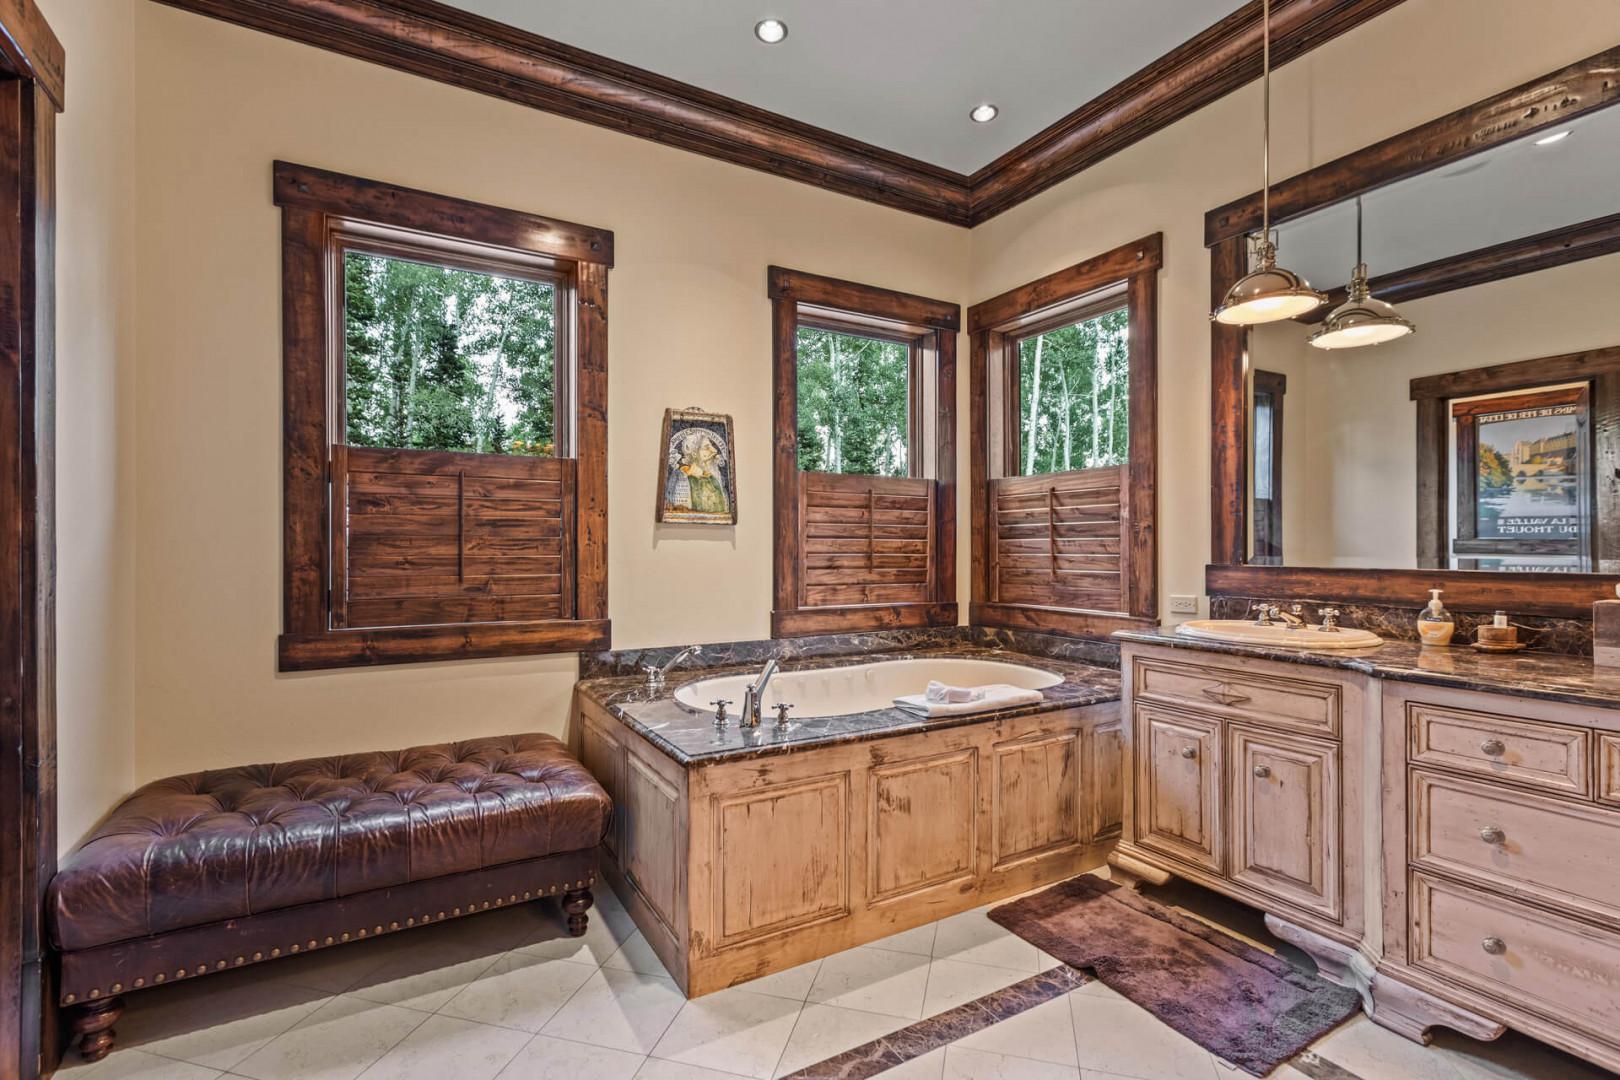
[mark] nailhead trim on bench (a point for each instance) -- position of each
(202, 969)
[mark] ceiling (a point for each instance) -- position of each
(899, 74)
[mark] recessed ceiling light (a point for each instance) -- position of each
(983, 114)
(1557, 136)
(770, 31)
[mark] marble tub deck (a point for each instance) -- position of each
(1547, 676)
(692, 739)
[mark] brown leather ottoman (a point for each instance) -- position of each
(215, 870)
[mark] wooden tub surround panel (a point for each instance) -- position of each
(737, 869)
(1449, 852)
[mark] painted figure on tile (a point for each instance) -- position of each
(697, 482)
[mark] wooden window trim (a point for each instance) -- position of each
(929, 327)
(321, 212)
(994, 327)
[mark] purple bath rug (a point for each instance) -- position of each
(1241, 1003)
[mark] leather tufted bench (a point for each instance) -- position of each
(216, 870)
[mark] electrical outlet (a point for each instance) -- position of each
(1184, 605)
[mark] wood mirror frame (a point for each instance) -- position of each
(1556, 98)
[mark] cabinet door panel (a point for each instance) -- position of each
(1285, 818)
(782, 857)
(920, 824)
(652, 838)
(1035, 793)
(1178, 785)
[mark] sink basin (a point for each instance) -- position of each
(1243, 632)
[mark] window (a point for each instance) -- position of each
(864, 473)
(1064, 448)
(444, 377)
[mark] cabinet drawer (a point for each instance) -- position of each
(1270, 700)
(1566, 970)
(1178, 785)
(1538, 848)
(1546, 756)
(1608, 757)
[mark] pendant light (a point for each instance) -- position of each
(1360, 320)
(1267, 293)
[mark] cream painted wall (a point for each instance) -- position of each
(1352, 461)
(95, 356)
(689, 325)
(1417, 61)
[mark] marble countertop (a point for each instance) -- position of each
(691, 739)
(1544, 675)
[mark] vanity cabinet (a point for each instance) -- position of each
(1238, 769)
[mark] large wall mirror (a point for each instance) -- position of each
(1481, 452)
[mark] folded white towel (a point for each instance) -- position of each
(938, 691)
(994, 696)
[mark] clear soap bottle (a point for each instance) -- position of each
(1434, 623)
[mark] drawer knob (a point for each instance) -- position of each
(1189, 752)
(1492, 834)
(1494, 945)
(1493, 747)
(1262, 771)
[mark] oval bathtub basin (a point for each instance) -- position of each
(858, 688)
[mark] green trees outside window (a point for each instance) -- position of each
(438, 358)
(854, 403)
(1074, 400)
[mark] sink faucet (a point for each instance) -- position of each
(754, 695)
(656, 674)
(1273, 613)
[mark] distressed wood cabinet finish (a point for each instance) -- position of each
(1285, 818)
(737, 870)
(1179, 791)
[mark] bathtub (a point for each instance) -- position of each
(858, 688)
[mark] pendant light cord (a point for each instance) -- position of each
(1265, 154)
(1358, 231)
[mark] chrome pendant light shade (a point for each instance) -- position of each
(1268, 293)
(1360, 320)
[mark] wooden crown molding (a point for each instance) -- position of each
(452, 46)
(30, 48)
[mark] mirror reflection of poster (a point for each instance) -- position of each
(1529, 476)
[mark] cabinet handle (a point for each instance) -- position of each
(1492, 834)
(1262, 771)
(1494, 945)
(1493, 747)
(1224, 695)
(1189, 752)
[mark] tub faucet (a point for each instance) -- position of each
(655, 674)
(754, 695)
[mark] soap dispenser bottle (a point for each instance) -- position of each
(1434, 624)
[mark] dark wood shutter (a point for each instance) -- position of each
(1061, 540)
(866, 540)
(427, 538)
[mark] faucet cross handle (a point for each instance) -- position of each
(1330, 619)
(720, 716)
(782, 708)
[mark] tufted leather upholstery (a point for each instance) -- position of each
(230, 843)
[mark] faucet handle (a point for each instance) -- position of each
(782, 708)
(1330, 619)
(720, 716)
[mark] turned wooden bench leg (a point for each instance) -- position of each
(93, 1026)
(576, 902)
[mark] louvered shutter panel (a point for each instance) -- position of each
(865, 540)
(427, 538)
(1059, 541)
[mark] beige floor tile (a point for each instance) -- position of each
(546, 1058)
(918, 940)
(734, 1030)
(134, 1065)
(444, 1047)
(931, 1066)
(873, 980)
(963, 1064)
(619, 1009)
(1511, 1057)
(338, 1041)
(953, 982)
(519, 991)
(794, 983)
(637, 955)
(1121, 1037)
(425, 976)
(824, 1031)
(1045, 1033)
(214, 1022)
(972, 937)
(605, 934)
(657, 1069)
